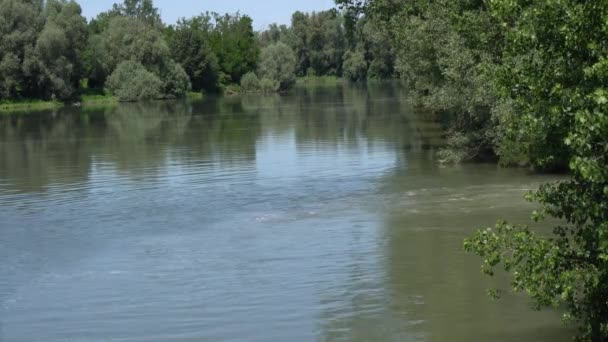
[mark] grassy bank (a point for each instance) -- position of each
(319, 80)
(89, 101)
(25, 105)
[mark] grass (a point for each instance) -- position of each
(24, 105)
(97, 100)
(89, 100)
(319, 80)
(193, 95)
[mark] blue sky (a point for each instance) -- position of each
(263, 12)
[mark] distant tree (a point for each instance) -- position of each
(355, 66)
(131, 82)
(190, 46)
(250, 82)
(274, 34)
(132, 32)
(278, 63)
(318, 41)
(41, 47)
(235, 45)
(20, 24)
(268, 85)
(58, 50)
(176, 82)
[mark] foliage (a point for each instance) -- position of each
(526, 79)
(131, 82)
(250, 82)
(318, 40)
(234, 43)
(274, 34)
(456, 150)
(190, 46)
(268, 85)
(128, 38)
(355, 66)
(176, 82)
(562, 110)
(40, 48)
(278, 63)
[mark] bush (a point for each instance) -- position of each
(176, 82)
(278, 63)
(456, 150)
(355, 66)
(250, 83)
(131, 82)
(269, 86)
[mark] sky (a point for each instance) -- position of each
(263, 12)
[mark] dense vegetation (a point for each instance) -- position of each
(525, 81)
(49, 51)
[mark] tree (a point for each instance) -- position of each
(250, 82)
(234, 44)
(355, 66)
(555, 71)
(274, 34)
(278, 63)
(131, 82)
(132, 32)
(57, 58)
(20, 23)
(190, 46)
(176, 82)
(318, 40)
(40, 48)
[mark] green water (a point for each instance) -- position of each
(316, 215)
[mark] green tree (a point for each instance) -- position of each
(189, 43)
(250, 82)
(319, 42)
(132, 82)
(57, 59)
(235, 45)
(176, 82)
(20, 24)
(274, 34)
(132, 32)
(355, 66)
(278, 63)
(556, 72)
(41, 45)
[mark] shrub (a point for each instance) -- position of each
(176, 82)
(250, 83)
(278, 63)
(131, 82)
(269, 86)
(456, 150)
(355, 66)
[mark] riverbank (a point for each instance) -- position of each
(319, 80)
(28, 105)
(86, 101)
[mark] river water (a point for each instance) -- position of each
(318, 215)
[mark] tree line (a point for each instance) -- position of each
(524, 82)
(48, 50)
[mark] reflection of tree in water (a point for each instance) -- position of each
(136, 138)
(222, 131)
(39, 149)
(141, 138)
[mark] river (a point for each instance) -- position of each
(318, 215)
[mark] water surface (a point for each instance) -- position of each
(318, 215)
